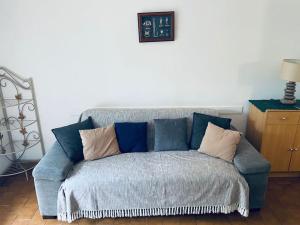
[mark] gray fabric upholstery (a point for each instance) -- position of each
(151, 184)
(55, 166)
(255, 169)
(47, 191)
(48, 176)
(248, 160)
(257, 189)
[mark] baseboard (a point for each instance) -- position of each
(284, 174)
(49, 217)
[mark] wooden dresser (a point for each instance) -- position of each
(274, 129)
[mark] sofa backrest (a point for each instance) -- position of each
(105, 116)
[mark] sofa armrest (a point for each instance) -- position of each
(248, 160)
(54, 166)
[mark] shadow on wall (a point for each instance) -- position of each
(280, 39)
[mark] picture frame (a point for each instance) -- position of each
(156, 26)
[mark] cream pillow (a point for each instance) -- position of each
(220, 143)
(98, 143)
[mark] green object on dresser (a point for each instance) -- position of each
(264, 105)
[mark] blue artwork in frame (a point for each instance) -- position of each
(156, 26)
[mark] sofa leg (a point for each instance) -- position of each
(255, 210)
(49, 217)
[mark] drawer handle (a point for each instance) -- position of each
(283, 118)
(296, 149)
(290, 149)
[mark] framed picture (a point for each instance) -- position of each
(156, 26)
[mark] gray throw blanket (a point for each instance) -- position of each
(152, 184)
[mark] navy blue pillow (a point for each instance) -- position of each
(132, 137)
(69, 138)
(200, 122)
(170, 134)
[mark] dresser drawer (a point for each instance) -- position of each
(283, 117)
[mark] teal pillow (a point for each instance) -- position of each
(69, 138)
(170, 134)
(200, 122)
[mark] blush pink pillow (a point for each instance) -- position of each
(220, 143)
(99, 143)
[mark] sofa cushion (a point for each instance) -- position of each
(99, 143)
(69, 138)
(200, 122)
(220, 143)
(132, 137)
(170, 134)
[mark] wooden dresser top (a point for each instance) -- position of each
(274, 104)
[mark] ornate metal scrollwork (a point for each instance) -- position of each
(13, 78)
(3, 150)
(27, 138)
(29, 106)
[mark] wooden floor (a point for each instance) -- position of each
(18, 206)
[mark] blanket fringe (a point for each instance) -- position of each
(185, 210)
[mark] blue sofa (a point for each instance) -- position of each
(54, 167)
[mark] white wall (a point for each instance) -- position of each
(85, 53)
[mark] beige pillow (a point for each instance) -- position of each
(98, 143)
(219, 142)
